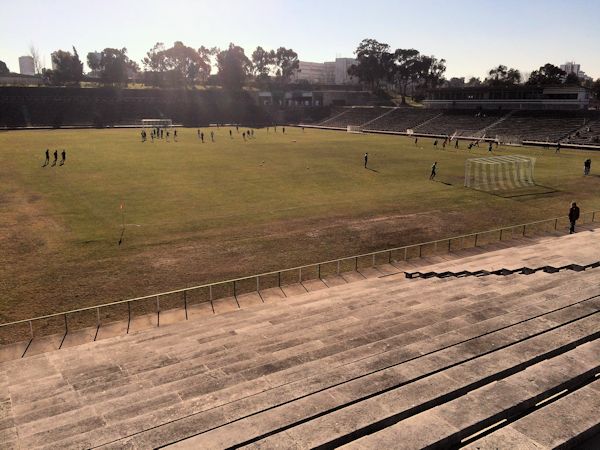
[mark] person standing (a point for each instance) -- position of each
(212, 136)
(47, 158)
(366, 159)
(230, 134)
(55, 157)
(433, 171)
(456, 144)
(64, 157)
(587, 165)
(573, 216)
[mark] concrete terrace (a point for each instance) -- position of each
(383, 362)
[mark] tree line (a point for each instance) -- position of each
(377, 66)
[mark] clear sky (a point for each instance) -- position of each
(472, 35)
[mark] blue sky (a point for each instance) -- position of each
(472, 35)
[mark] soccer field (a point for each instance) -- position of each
(198, 212)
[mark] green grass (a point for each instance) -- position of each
(201, 212)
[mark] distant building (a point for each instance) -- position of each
(572, 67)
(26, 66)
(330, 72)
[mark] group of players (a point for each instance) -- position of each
(158, 133)
(63, 155)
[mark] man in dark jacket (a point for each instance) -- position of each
(573, 216)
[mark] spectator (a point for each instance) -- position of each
(573, 216)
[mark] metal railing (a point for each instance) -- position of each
(296, 275)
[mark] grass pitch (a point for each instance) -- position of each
(198, 212)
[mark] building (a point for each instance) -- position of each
(574, 68)
(26, 66)
(509, 98)
(329, 72)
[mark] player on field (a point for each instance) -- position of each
(55, 157)
(202, 136)
(557, 147)
(64, 157)
(212, 136)
(366, 159)
(433, 171)
(435, 143)
(47, 158)
(230, 134)
(456, 144)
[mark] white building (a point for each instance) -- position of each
(574, 68)
(26, 66)
(330, 72)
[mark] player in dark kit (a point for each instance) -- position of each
(64, 157)
(433, 169)
(366, 159)
(47, 158)
(230, 134)
(55, 157)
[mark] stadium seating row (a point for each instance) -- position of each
(386, 362)
(543, 126)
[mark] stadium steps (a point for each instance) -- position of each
(263, 374)
(422, 124)
(480, 258)
(391, 110)
(498, 122)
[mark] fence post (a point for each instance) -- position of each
(501, 230)
(31, 329)
(555, 224)
(405, 253)
(449, 244)
(594, 216)
(356, 263)
(373, 259)
(128, 316)
(185, 304)
(338, 266)
(390, 257)
(420, 250)
(319, 271)
(524, 230)
(476, 236)
(279, 279)
(234, 291)
(157, 311)
(210, 297)
(300, 275)
(257, 283)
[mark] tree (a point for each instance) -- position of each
(503, 76)
(155, 60)
(94, 61)
(374, 60)
(3, 68)
(206, 55)
(572, 79)
(287, 62)
(596, 88)
(547, 75)
(405, 65)
(234, 66)
(474, 81)
(456, 82)
(114, 66)
(262, 60)
(186, 62)
(68, 67)
(38, 64)
(430, 71)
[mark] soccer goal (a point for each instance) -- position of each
(157, 123)
(354, 129)
(498, 173)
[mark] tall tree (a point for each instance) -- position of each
(186, 62)
(405, 68)
(68, 67)
(3, 68)
(234, 67)
(38, 64)
(287, 62)
(430, 71)
(546, 75)
(262, 60)
(115, 66)
(474, 81)
(503, 76)
(572, 79)
(596, 88)
(206, 57)
(373, 62)
(155, 59)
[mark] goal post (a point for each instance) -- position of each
(354, 129)
(157, 123)
(499, 173)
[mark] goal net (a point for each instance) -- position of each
(354, 129)
(157, 123)
(498, 173)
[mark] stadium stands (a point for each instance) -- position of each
(353, 116)
(401, 119)
(386, 362)
(463, 123)
(544, 126)
(589, 134)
